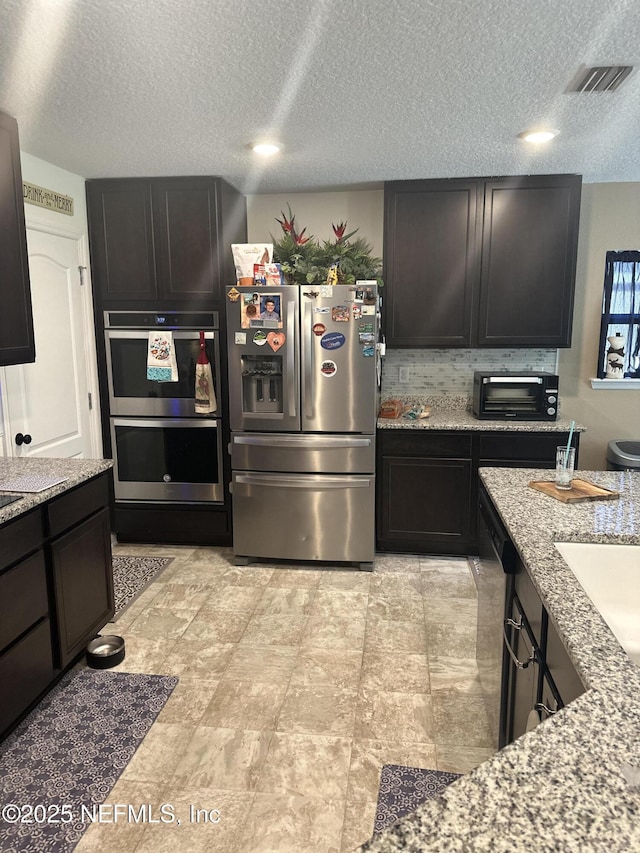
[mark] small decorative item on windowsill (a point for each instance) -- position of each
(305, 260)
(615, 357)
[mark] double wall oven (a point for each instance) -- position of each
(162, 450)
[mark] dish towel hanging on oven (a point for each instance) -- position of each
(161, 357)
(205, 393)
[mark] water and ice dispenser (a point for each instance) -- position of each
(262, 383)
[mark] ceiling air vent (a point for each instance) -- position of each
(601, 78)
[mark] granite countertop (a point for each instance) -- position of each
(562, 786)
(75, 471)
(454, 413)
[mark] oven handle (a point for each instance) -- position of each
(143, 334)
(291, 358)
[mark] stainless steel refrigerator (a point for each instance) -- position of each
(303, 402)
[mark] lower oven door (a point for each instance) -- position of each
(304, 516)
(167, 459)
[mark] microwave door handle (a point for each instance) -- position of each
(308, 360)
(291, 358)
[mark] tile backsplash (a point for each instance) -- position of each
(449, 372)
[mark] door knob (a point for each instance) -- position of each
(23, 439)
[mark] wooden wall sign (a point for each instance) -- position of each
(50, 199)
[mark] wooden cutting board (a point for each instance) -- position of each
(581, 490)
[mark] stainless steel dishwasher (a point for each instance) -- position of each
(496, 560)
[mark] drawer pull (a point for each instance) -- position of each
(519, 664)
(540, 706)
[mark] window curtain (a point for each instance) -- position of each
(621, 309)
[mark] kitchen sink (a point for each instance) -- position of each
(610, 575)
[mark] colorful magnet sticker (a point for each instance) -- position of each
(365, 337)
(368, 351)
(368, 309)
(233, 295)
(359, 294)
(365, 327)
(340, 314)
(334, 340)
(321, 309)
(318, 329)
(326, 290)
(275, 340)
(328, 368)
(356, 310)
(260, 338)
(240, 338)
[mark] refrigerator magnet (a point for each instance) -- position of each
(328, 368)
(321, 309)
(233, 295)
(260, 338)
(340, 314)
(365, 337)
(356, 310)
(368, 309)
(368, 351)
(333, 340)
(275, 340)
(318, 329)
(240, 338)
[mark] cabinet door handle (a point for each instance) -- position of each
(520, 664)
(540, 706)
(23, 439)
(512, 624)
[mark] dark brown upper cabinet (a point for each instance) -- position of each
(164, 239)
(481, 262)
(16, 319)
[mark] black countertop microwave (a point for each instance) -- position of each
(515, 396)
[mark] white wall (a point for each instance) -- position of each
(609, 220)
(362, 209)
(36, 171)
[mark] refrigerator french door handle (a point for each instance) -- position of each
(299, 481)
(308, 359)
(291, 358)
(304, 442)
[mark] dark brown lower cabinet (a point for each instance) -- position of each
(83, 589)
(56, 591)
(538, 676)
(427, 483)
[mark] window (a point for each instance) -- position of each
(620, 357)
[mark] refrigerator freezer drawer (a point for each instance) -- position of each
(304, 516)
(304, 454)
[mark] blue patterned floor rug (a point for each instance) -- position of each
(131, 576)
(402, 789)
(69, 751)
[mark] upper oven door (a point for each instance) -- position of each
(131, 393)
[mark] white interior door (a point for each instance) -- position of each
(48, 400)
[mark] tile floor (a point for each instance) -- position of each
(296, 685)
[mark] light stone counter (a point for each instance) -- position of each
(75, 471)
(562, 786)
(453, 413)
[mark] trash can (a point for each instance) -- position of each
(623, 455)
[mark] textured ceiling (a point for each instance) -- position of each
(357, 91)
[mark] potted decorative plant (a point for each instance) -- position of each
(304, 260)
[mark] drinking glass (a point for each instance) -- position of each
(565, 462)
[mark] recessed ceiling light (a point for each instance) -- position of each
(266, 149)
(538, 135)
